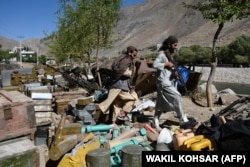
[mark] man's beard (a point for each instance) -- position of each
(172, 50)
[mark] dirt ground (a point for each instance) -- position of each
(197, 109)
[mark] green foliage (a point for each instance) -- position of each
(184, 55)
(84, 26)
(5, 56)
(238, 59)
(238, 51)
(30, 59)
(223, 10)
(150, 56)
(42, 59)
(224, 55)
(104, 58)
(194, 54)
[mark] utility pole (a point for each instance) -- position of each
(37, 58)
(20, 50)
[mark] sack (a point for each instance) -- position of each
(213, 130)
(185, 72)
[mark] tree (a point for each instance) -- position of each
(84, 26)
(42, 59)
(223, 54)
(219, 12)
(185, 55)
(238, 59)
(5, 56)
(104, 28)
(240, 46)
(194, 54)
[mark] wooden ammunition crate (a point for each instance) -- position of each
(85, 100)
(61, 105)
(20, 152)
(17, 116)
(44, 117)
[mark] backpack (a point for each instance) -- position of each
(185, 72)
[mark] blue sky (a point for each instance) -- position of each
(25, 19)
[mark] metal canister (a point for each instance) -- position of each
(162, 147)
(131, 156)
(98, 157)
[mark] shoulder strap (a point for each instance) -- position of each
(170, 58)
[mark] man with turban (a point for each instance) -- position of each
(168, 97)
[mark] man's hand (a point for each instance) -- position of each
(169, 65)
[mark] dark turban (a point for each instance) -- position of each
(172, 40)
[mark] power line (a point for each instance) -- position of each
(3, 27)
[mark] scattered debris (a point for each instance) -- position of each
(57, 112)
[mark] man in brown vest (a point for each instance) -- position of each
(121, 93)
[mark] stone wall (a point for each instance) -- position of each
(230, 75)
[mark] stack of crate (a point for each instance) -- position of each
(38, 89)
(18, 79)
(61, 105)
(43, 108)
(60, 81)
(42, 98)
(35, 87)
(84, 110)
(17, 128)
(62, 99)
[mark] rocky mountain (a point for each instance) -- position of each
(148, 24)
(8, 44)
(35, 44)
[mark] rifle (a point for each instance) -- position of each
(179, 76)
(82, 83)
(229, 109)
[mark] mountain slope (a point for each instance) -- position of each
(35, 44)
(148, 24)
(7, 44)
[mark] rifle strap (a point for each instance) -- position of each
(170, 58)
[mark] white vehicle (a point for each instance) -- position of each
(50, 61)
